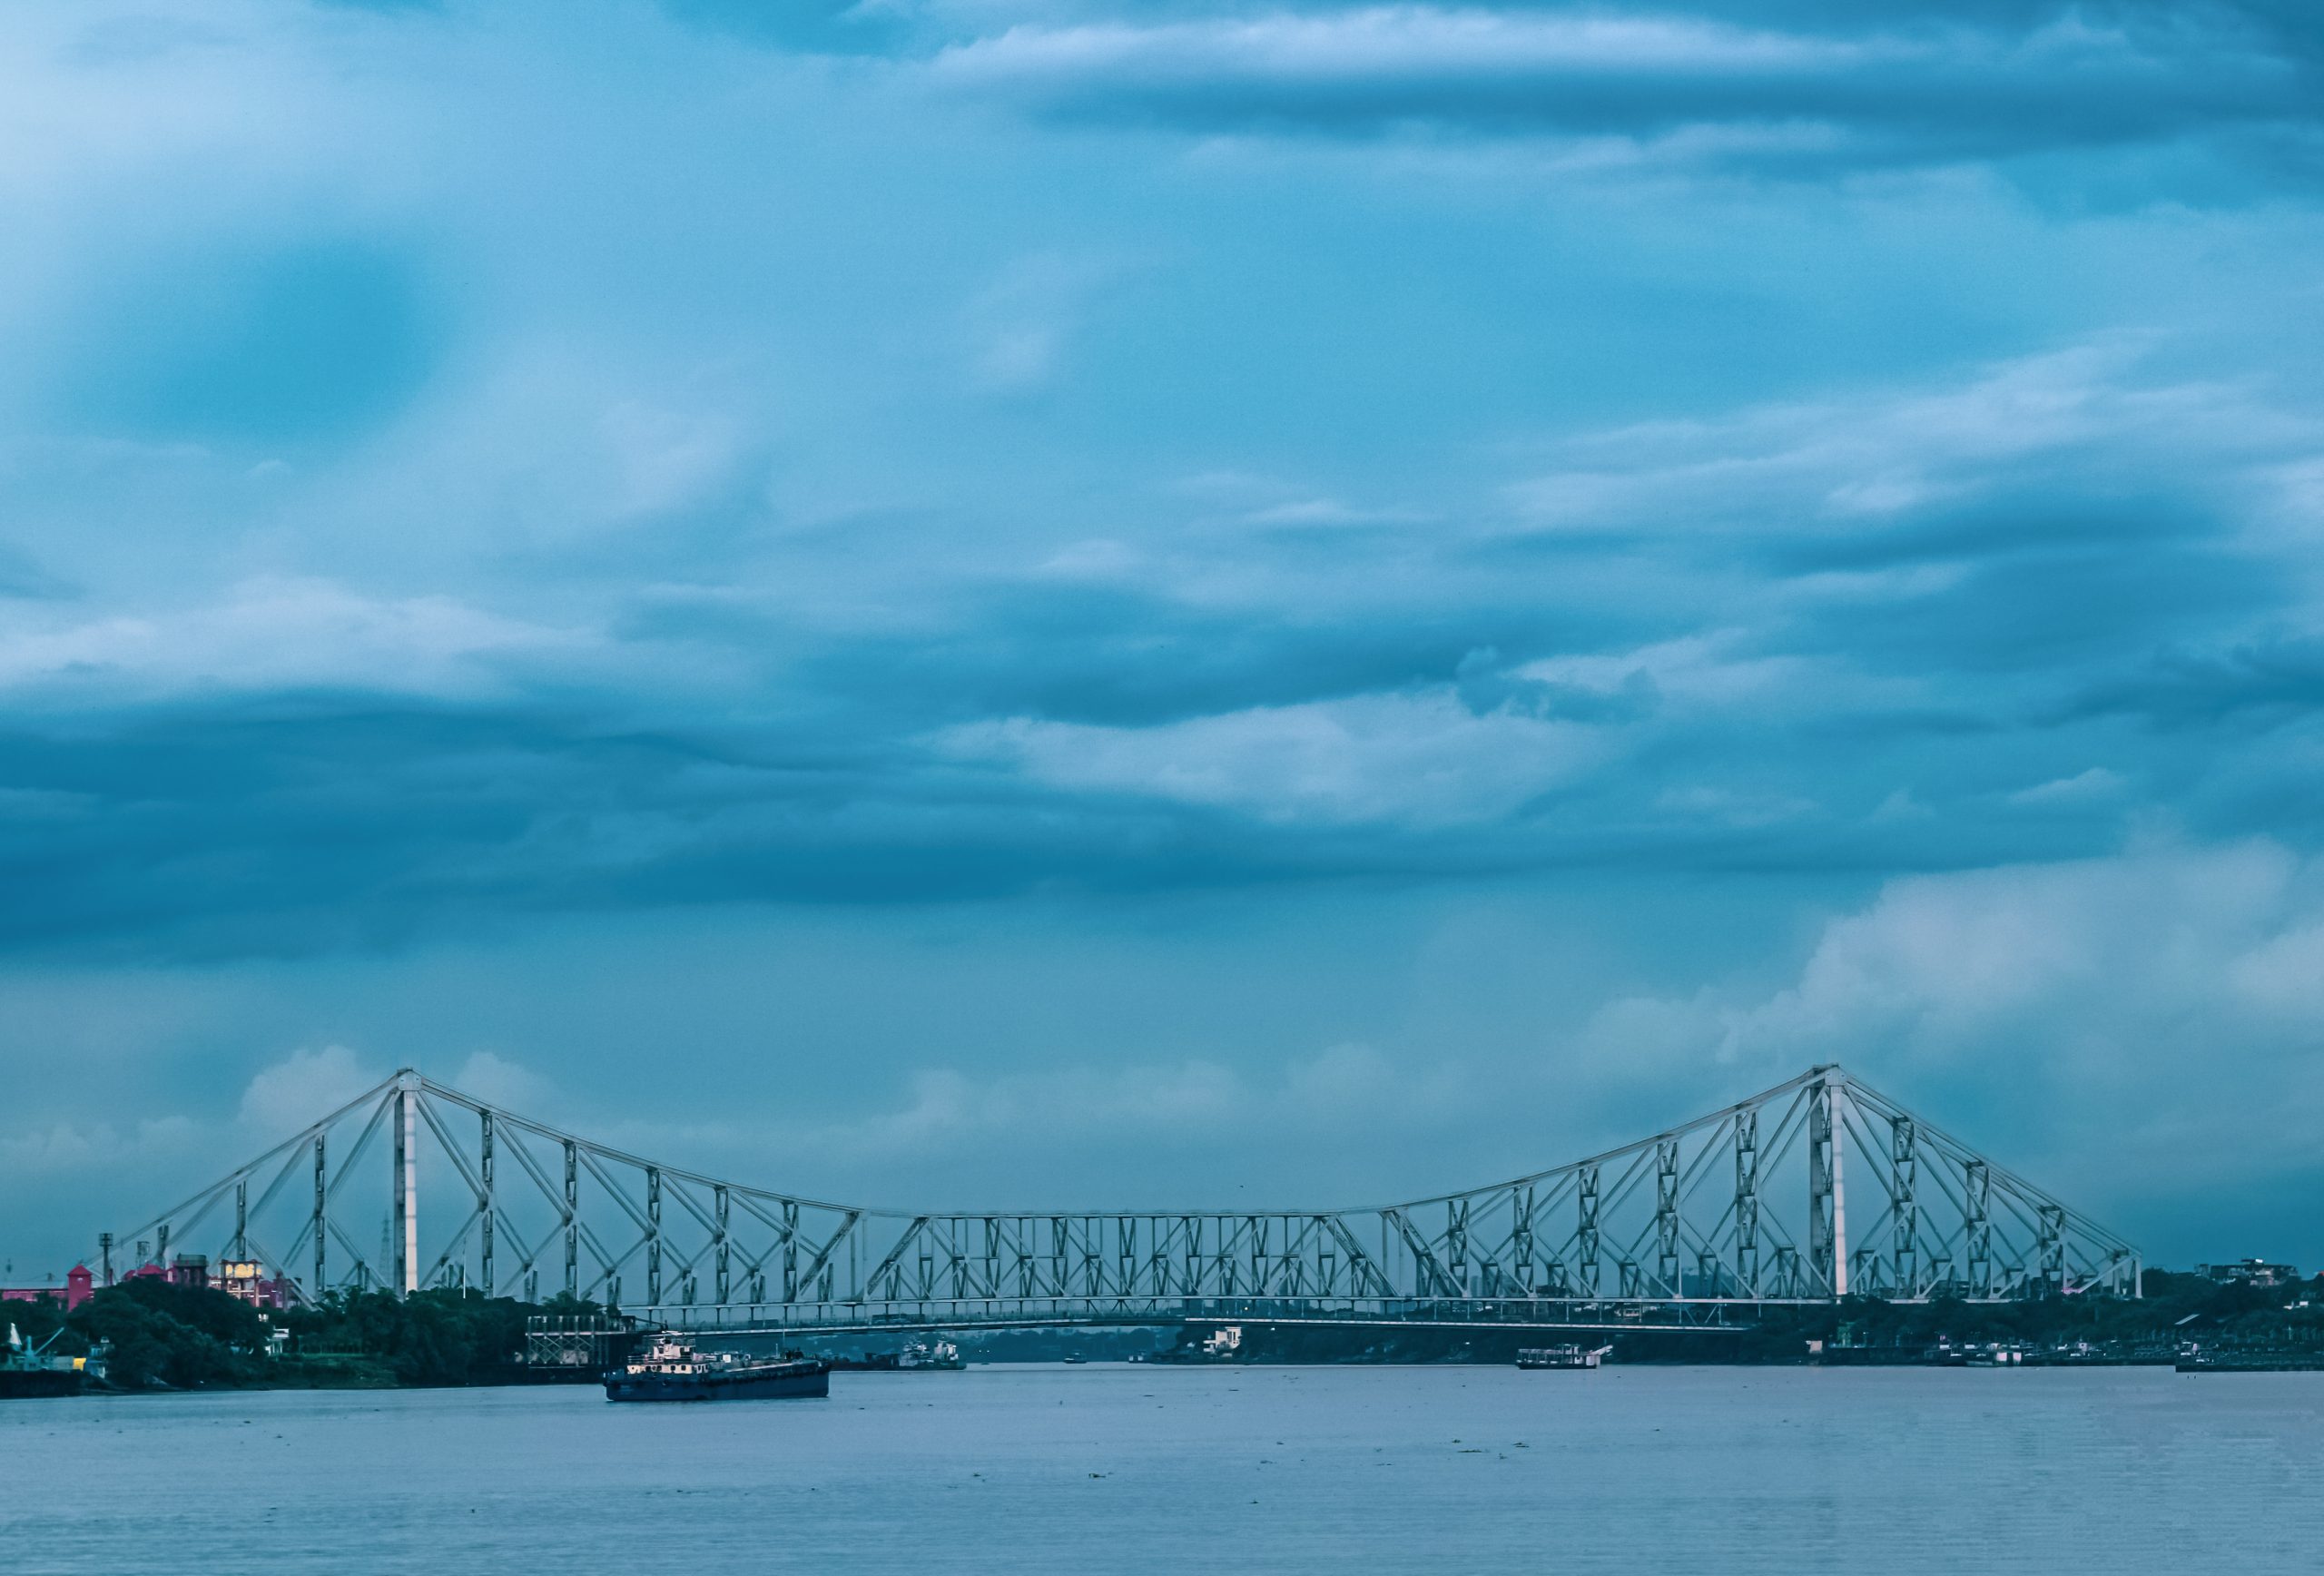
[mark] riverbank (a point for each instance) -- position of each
(161, 1336)
(152, 1335)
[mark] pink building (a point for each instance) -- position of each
(244, 1279)
(76, 1289)
(188, 1269)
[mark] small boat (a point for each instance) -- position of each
(1562, 1356)
(671, 1369)
(1075, 1359)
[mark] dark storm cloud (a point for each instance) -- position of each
(1815, 87)
(2261, 684)
(1122, 655)
(556, 531)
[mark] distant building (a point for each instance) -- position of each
(245, 1279)
(187, 1269)
(78, 1286)
(2251, 1272)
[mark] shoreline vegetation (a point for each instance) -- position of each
(163, 1336)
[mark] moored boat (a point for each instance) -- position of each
(1562, 1356)
(29, 1369)
(671, 1369)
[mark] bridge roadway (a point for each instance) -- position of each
(1692, 1316)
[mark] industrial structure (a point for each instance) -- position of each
(1813, 1190)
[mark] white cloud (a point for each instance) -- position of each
(69, 1147)
(278, 632)
(2135, 1003)
(2284, 975)
(1422, 757)
(660, 461)
(1382, 42)
(1839, 468)
(302, 1088)
(1345, 1090)
(1705, 669)
(498, 1081)
(1923, 93)
(1020, 326)
(2083, 787)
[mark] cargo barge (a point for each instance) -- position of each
(671, 1369)
(29, 1370)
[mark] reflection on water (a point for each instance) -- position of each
(1277, 1470)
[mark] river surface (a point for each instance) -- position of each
(1109, 1467)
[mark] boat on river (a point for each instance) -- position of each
(671, 1369)
(1562, 1356)
(30, 1368)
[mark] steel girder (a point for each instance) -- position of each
(1747, 1205)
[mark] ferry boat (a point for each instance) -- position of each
(920, 1354)
(1562, 1356)
(671, 1369)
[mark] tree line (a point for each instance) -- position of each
(158, 1334)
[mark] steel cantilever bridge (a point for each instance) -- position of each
(1813, 1190)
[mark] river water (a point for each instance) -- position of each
(1130, 1466)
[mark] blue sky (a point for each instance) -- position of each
(1045, 600)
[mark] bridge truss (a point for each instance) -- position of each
(1814, 1190)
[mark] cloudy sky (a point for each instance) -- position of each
(1068, 601)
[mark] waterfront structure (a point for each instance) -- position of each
(79, 1286)
(246, 1280)
(1692, 1227)
(184, 1269)
(2251, 1272)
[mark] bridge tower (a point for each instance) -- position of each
(1684, 1247)
(1828, 1207)
(405, 1121)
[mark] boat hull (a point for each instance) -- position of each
(1560, 1357)
(792, 1382)
(17, 1384)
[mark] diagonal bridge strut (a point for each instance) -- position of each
(1818, 1189)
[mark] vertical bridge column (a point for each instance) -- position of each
(718, 1243)
(406, 1162)
(1976, 1196)
(485, 1204)
(1666, 1217)
(1904, 1170)
(572, 1217)
(1585, 1228)
(652, 1236)
(321, 1227)
(1827, 1217)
